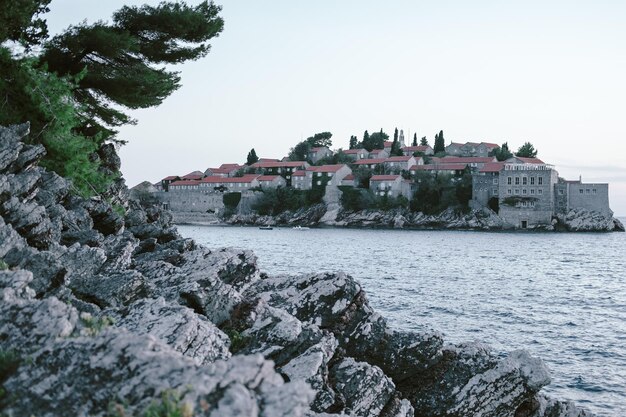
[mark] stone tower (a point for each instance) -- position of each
(401, 139)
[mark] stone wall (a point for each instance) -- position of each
(592, 197)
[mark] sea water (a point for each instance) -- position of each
(561, 296)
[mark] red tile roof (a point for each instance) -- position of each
(326, 168)
(467, 159)
(384, 177)
(348, 178)
(299, 173)
(318, 148)
(188, 182)
(231, 166)
(388, 144)
(490, 145)
(369, 161)
(218, 180)
(268, 160)
(492, 167)
(276, 164)
(354, 151)
(268, 177)
(170, 178)
(439, 167)
(398, 158)
(419, 148)
(530, 160)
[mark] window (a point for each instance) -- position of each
(509, 181)
(516, 180)
(595, 191)
(495, 191)
(495, 181)
(532, 180)
(581, 191)
(330, 174)
(523, 204)
(509, 192)
(561, 191)
(524, 191)
(540, 191)
(517, 191)
(540, 180)
(524, 180)
(319, 174)
(588, 191)
(319, 183)
(532, 191)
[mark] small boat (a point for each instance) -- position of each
(266, 228)
(300, 228)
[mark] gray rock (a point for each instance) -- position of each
(178, 327)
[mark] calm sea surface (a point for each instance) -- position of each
(560, 296)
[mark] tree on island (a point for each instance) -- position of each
(503, 153)
(76, 88)
(300, 152)
(440, 144)
(353, 142)
(414, 143)
(320, 140)
(395, 146)
(424, 141)
(527, 150)
(375, 141)
(252, 158)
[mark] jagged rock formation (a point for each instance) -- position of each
(102, 313)
(588, 221)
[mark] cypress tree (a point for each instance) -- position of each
(440, 145)
(252, 157)
(414, 140)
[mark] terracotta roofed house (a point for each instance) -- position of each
(282, 168)
(370, 162)
(165, 182)
(324, 175)
(208, 184)
(271, 181)
(410, 150)
(390, 185)
(400, 162)
(356, 154)
(319, 153)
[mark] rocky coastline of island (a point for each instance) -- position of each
(108, 311)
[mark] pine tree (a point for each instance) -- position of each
(414, 140)
(395, 135)
(367, 143)
(527, 150)
(424, 141)
(503, 153)
(252, 158)
(440, 145)
(353, 142)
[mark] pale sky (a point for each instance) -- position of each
(552, 73)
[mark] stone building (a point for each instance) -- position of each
(424, 149)
(271, 181)
(320, 176)
(400, 163)
(526, 194)
(356, 154)
(486, 183)
(319, 153)
(283, 168)
(471, 149)
(390, 185)
(578, 195)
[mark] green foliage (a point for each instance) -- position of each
(3, 265)
(502, 153)
(46, 101)
(424, 141)
(527, 150)
(494, 204)
(9, 362)
(395, 146)
(237, 340)
(121, 59)
(353, 142)
(375, 141)
(320, 139)
(300, 152)
(252, 157)
(20, 21)
(170, 404)
(95, 325)
(119, 209)
(357, 199)
(231, 201)
(515, 200)
(437, 192)
(274, 201)
(414, 143)
(440, 144)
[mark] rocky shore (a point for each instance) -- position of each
(480, 219)
(105, 313)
